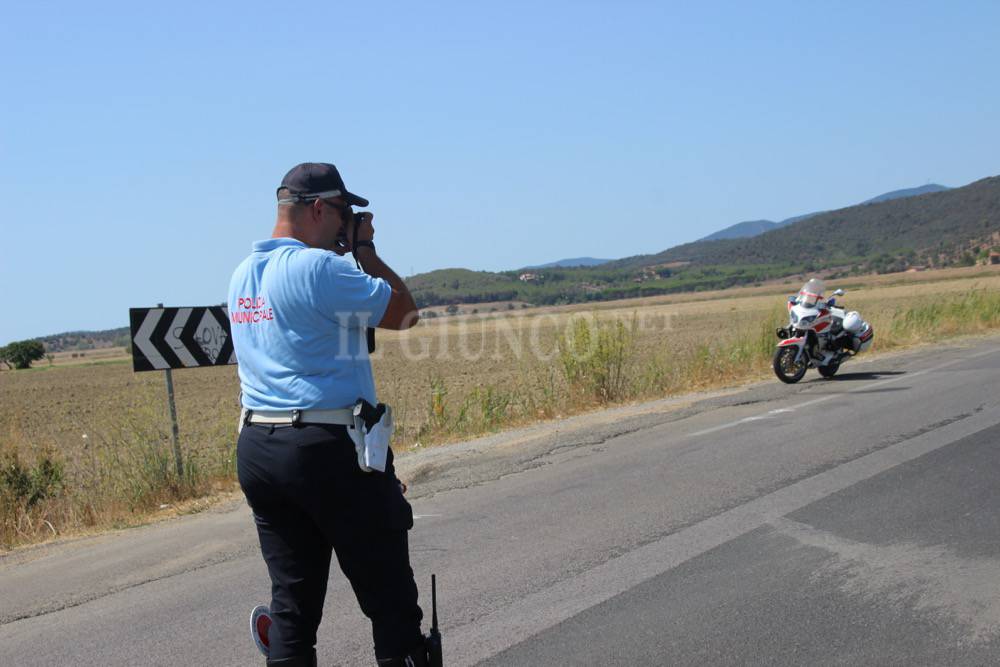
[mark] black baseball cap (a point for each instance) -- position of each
(316, 180)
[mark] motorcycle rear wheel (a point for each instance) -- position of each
(785, 366)
(829, 370)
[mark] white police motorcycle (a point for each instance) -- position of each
(819, 335)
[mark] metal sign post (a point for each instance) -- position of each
(166, 338)
(174, 434)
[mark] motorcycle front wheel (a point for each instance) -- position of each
(786, 368)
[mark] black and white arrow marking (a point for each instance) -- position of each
(180, 338)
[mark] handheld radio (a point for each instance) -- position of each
(433, 641)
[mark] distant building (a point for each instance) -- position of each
(528, 277)
(995, 257)
(647, 273)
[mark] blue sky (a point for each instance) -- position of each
(141, 143)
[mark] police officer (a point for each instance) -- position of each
(300, 308)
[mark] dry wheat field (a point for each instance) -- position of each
(87, 446)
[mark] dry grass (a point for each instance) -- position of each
(102, 355)
(88, 446)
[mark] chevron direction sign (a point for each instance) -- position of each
(164, 338)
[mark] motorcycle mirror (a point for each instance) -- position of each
(839, 292)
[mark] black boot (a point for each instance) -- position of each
(294, 661)
(417, 657)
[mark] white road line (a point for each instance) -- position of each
(830, 397)
(509, 625)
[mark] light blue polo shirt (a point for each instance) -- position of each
(298, 317)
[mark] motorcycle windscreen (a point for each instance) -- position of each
(812, 292)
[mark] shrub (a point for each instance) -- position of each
(595, 356)
(23, 488)
(28, 485)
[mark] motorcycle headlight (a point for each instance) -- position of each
(795, 318)
(808, 319)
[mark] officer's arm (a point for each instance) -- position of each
(401, 313)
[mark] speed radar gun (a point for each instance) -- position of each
(433, 641)
(342, 241)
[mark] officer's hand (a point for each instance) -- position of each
(402, 486)
(365, 230)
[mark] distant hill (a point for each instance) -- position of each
(908, 192)
(940, 223)
(446, 286)
(567, 263)
(752, 228)
(742, 230)
(745, 230)
(86, 340)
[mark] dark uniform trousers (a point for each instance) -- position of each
(309, 497)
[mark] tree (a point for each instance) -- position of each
(20, 354)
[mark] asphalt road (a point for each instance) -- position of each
(851, 521)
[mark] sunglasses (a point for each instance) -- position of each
(345, 210)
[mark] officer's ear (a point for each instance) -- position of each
(316, 210)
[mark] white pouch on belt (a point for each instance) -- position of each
(371, 434)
